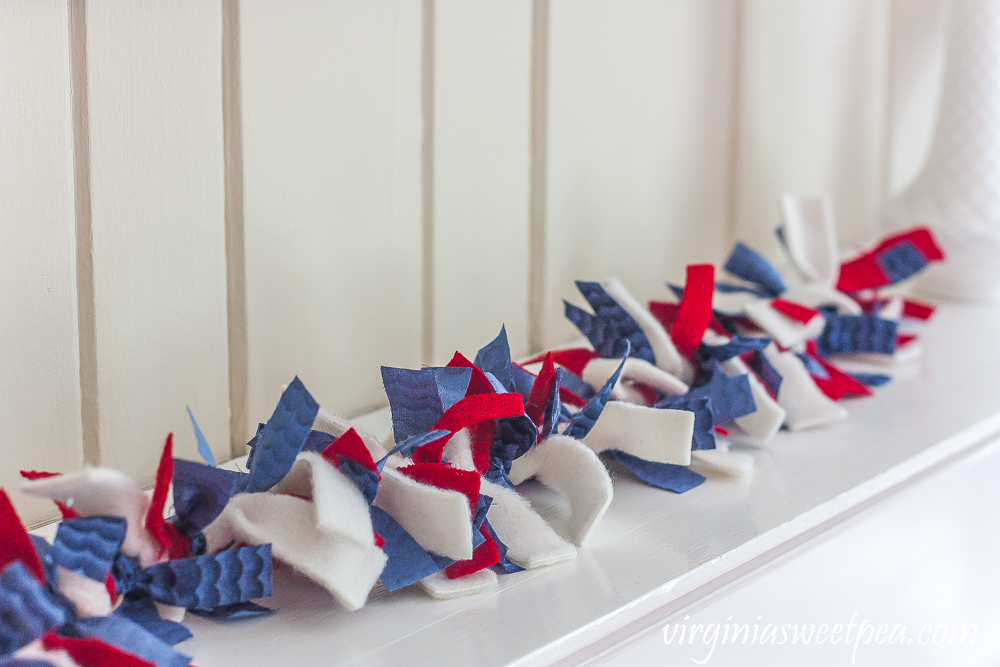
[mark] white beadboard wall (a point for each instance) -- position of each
(39, 357)
(390, 152)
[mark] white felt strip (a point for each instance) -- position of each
(530, 541)
(904, 354)
(458, 450)
(570, 467)
(734, 464)
(806, 406)
(439, 586)
(103, 491)
(815, 295)
(36, 651)
(787, 332)
(345, 568)
(652, 434)
(667, 356)
(811, 237)
(732, 303)
(893, 310)
(90, 597)
(597, 371)
(438, 519)
(763, 423)
(340, 507)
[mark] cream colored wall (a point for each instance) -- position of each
(414, 174)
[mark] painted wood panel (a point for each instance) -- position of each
(812, 113)
(39, 358)
(482, 85)
(158, 233)
(916, 66)
(332, 139)
(639, 135)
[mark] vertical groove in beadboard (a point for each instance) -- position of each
(427, 181)
(86, 316)
(236, 290)
(890, 107)
(539, 171)
(736, 107)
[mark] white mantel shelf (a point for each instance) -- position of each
(654, 553)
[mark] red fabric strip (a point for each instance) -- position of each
(351, 446)
(695, 311)
(484, 556)
(92, 652)
(109, 586)
(541, 390)
(721, 431)
(573, 359)
(478, 383)
(569, 398)
(796, 311)
(917, 310)
(431, 452)
(14, 541)
(665, 313)
(171, 540)
(379, 540)
(479, 408)
(904, 339)
(918, 236)
(482, 444)
(36, 474)
(649, 394)
(839, 384)
(861, 273)
(443, 476)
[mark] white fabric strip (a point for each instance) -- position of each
(599, 370)
(787, 332)
(570, 467)
(806, 406)
(439, 586)
(811, 237)
(663, 436)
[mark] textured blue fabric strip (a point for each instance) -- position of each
(128, 636)
(574, 383)
(857, 333)
(88, 545)
(27, 611)
(413, 399)
(201, 493)
(901, 261)
(734, 348)
(143, 612)
(872, 379)
(282, 438)
(605, 340)
(732, 397)
(699, 402)
(747, 264)
(767, 373)
(213, 580)
(235, 611)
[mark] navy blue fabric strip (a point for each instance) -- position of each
(901, 261)
(611, 313)
(142, 611)
(495, 358)
(699, 402)
(584, 420)
(661, 475)
(767, 373)
(605, 340)
(201, 493)
(747, 264)
(452, 383)
(408, 562)
(734, 348)
(129, 636)
(235, 611)
(872, 379)
(574, 383)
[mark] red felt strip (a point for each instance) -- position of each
(171, 540)
(921, 237)
(379, 540)
(541, 390)
(109, 586)
(721, 431)
(664, 312)
(66, 511)
(431, 452)
(573, 359)
(796, 311)
(917, 310)
(92, 652)
(444, 476)
(482, 444)
(478, 383)
(839, 383)
(649, 394)
(485, 555)
(861, 273)
(37, 474)
(695, 311)
(478, 408)
(569, 398)
(14, 541)
(904, 339)
(351, 446)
